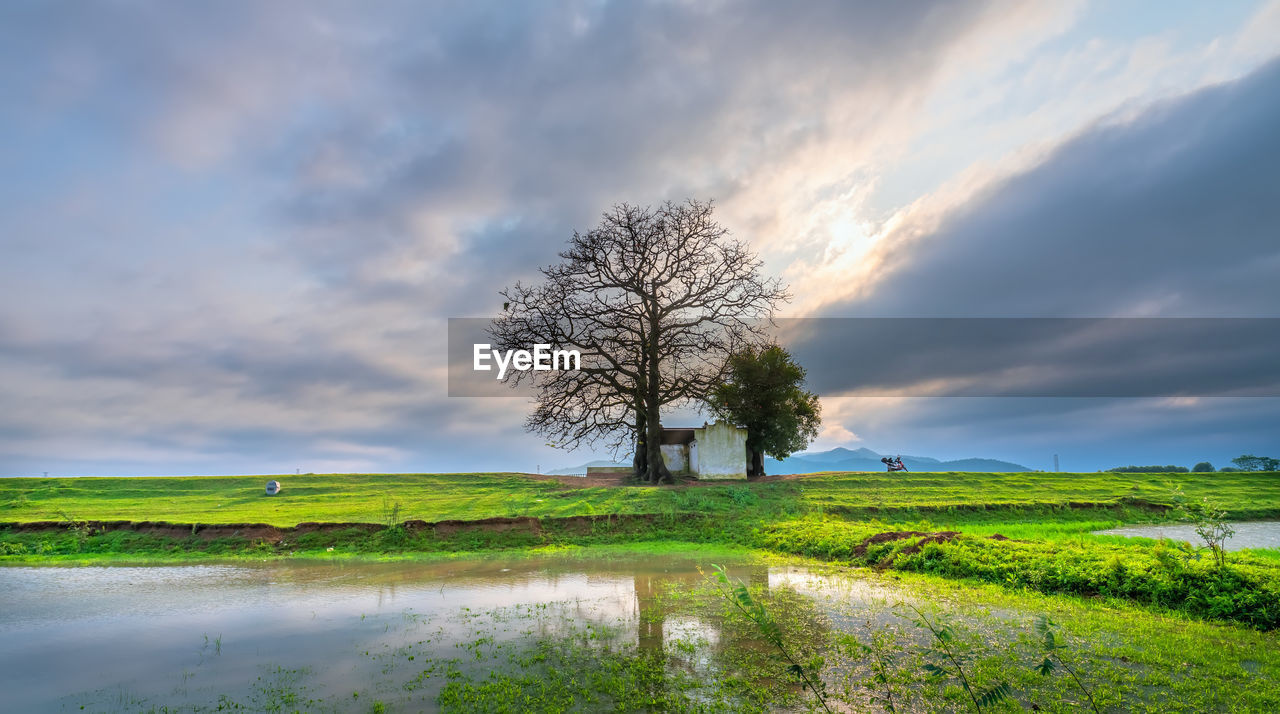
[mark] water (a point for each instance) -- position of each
(309, 635)
(1249, 534)
(338, 636)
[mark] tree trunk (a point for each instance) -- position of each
(658, 472)
(640, 462)
(757, 464)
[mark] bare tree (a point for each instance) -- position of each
(655, 299)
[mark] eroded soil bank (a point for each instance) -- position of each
(275, 535)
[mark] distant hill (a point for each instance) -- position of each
(842, 459)
(838, 455)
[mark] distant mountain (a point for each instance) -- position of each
(839, 454)
(841, 459)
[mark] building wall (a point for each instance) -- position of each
(675, 457)
(721, 452)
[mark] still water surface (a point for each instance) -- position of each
(140, 638)
(1249, 534)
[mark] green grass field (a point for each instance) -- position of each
(1152, 621)
(947, 521)
(433, 497)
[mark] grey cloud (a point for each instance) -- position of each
(254, 368)
(1178, 209)
(1089, 433)
(1066, 357)
(1174, 213)
(339, 143)
(551, 124)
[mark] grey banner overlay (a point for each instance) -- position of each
(986, 357)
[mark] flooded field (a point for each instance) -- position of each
(307, 634)
(1248, 534)
(580, 633)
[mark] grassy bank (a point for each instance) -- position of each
(366, 498)
(1168, 576)
(1021, 531)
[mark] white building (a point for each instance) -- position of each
(711, 452)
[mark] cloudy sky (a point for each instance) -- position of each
(232, 232)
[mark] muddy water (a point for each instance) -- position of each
(320, 636)
(1248, 534)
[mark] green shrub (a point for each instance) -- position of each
(11, 548)
(742, 496)
(1246, 590)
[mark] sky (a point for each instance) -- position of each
(233, 232)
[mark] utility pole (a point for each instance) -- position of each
(1055, 463)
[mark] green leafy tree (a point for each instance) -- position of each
(1249, 462)
(1204, 467)
(763, 393)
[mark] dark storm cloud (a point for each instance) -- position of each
(1175, 213)
(1044, 357)
(1172, 213)
(1089, 434)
